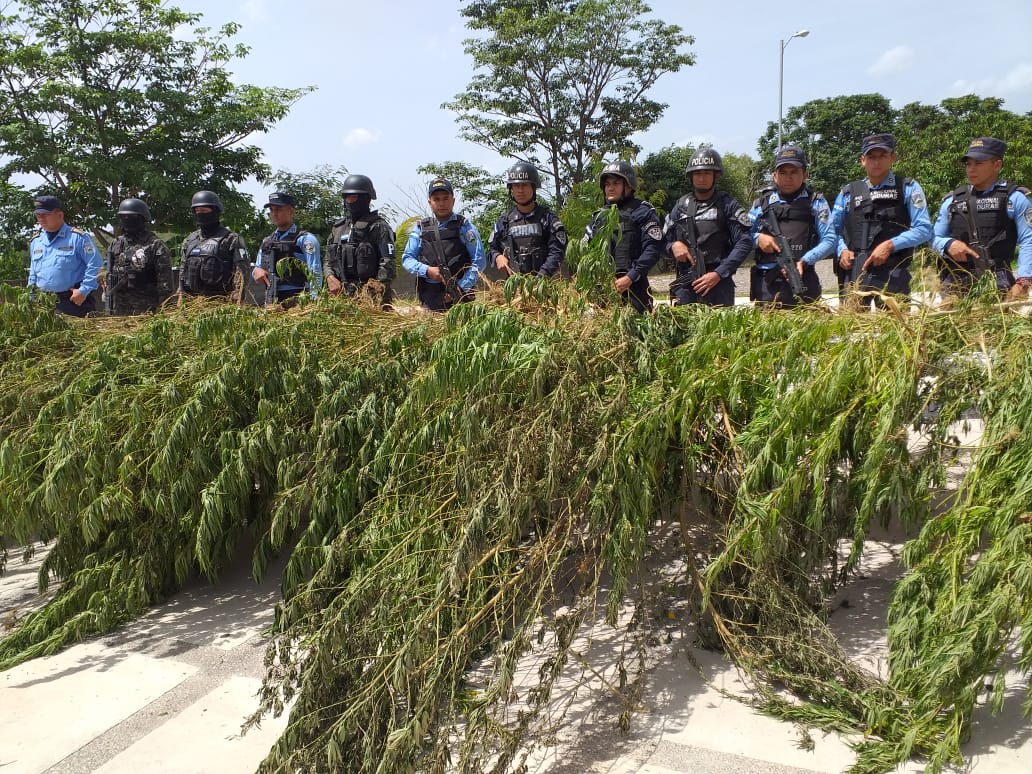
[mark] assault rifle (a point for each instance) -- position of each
(109, 295)
(786, 258)
(856, 269)
(982, 263)
(273, 287)
(699, 267)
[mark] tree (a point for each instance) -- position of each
(831, 131)
(105, 99)
(562, 82)
(932, 139)
(318, 194)
(664, 171)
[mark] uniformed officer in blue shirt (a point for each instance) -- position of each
(289, 253)
(880, 220)
(62, 259)
(983, 222)
(804, 219)
(637, 245)
(447, 241)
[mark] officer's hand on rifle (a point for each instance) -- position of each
(681, 253)
(706, 283)
(260, 275)
(434, 273)
(767, 243)
(879, 254)
(334, 285)
(623, 284)
(960, 251)
(502, 262)
(845, 259)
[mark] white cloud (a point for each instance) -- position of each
(254, 10)
(1017, 81)
(895, 60)
(359, 137)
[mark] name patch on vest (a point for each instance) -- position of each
(526, 230)
(989, 204)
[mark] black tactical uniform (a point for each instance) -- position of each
(361, 244)
(530, 236)
(213, 254)
(139, 265)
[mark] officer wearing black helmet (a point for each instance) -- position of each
(529, 238)
(289, 252)
(139, 265)
(638, 243)
(212, 255)
(717, 225)
(361, 244)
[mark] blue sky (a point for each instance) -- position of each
(383, 70)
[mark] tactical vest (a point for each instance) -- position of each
(710, 228)
(354, 248)
(625, 241)
(208, 263)
(997, 232)
(450, 251)
(132, 263)
(526, 240)
(885, 210)
(796, 221)
(281, 254)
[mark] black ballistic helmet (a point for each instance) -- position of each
(619, 169)
(206, 199)
(704, 159)
(523, 172)
(358, 184)
(134, 207)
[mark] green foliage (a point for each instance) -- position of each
(456, 493)
(484, 197)
(105, 99)
(558, 83)
(664, 171)
(319, 201)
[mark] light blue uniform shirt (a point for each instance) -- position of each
(821, 220)
(59, 264)
(1019, 209)
(308, 251)
(470, 238)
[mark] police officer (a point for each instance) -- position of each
(529, 238)
(717, 225)
(990, 214)
(881, 219)
(289, 253)
(361, 245)
(62, 259)
(447, 241)
(212, 254)
(139, 265)
(804, 219)
(638, 243)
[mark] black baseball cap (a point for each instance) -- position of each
(790, 154)
(885, 141)
(280, 199)
(42, 205)
(440, 184)
(982, 148)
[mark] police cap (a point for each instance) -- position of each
(440, 184)
(42, 205)
(790, 154)
(280, 199)
(982, 148)
(884, 140)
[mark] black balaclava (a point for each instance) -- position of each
(359, 207)
(208, 221)
(132, 225)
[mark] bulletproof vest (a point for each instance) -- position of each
(625, 241)
(208, 263)
(885, 211)
(795, 219)
(996, 231)
(132, 263)
(710, 226)
(282, 254)
(450, 251)
(526, 240)
(355, 248)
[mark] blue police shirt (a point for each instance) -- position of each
(470, 238)
(1019, 209)
(68, 260)
(821, 219)
(307, 251)
(920, 230)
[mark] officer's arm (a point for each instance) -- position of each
(838, 218)
(651, 247)
(738, 226)
(557, 240)
(313, 258)
(478, 260)
(920, 230)
(410, 255)
(1023, 221)
(163, 270)
(91, 258)
(385, 249)
(941, 230)
(828, 238)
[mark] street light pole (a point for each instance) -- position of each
(781, 76)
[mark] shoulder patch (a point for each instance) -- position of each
(917, 199)
(471, 237)
(743, 218)
(309, 246)
(88, 247)
(655, 231)
(823, 214)
(1028, 216)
